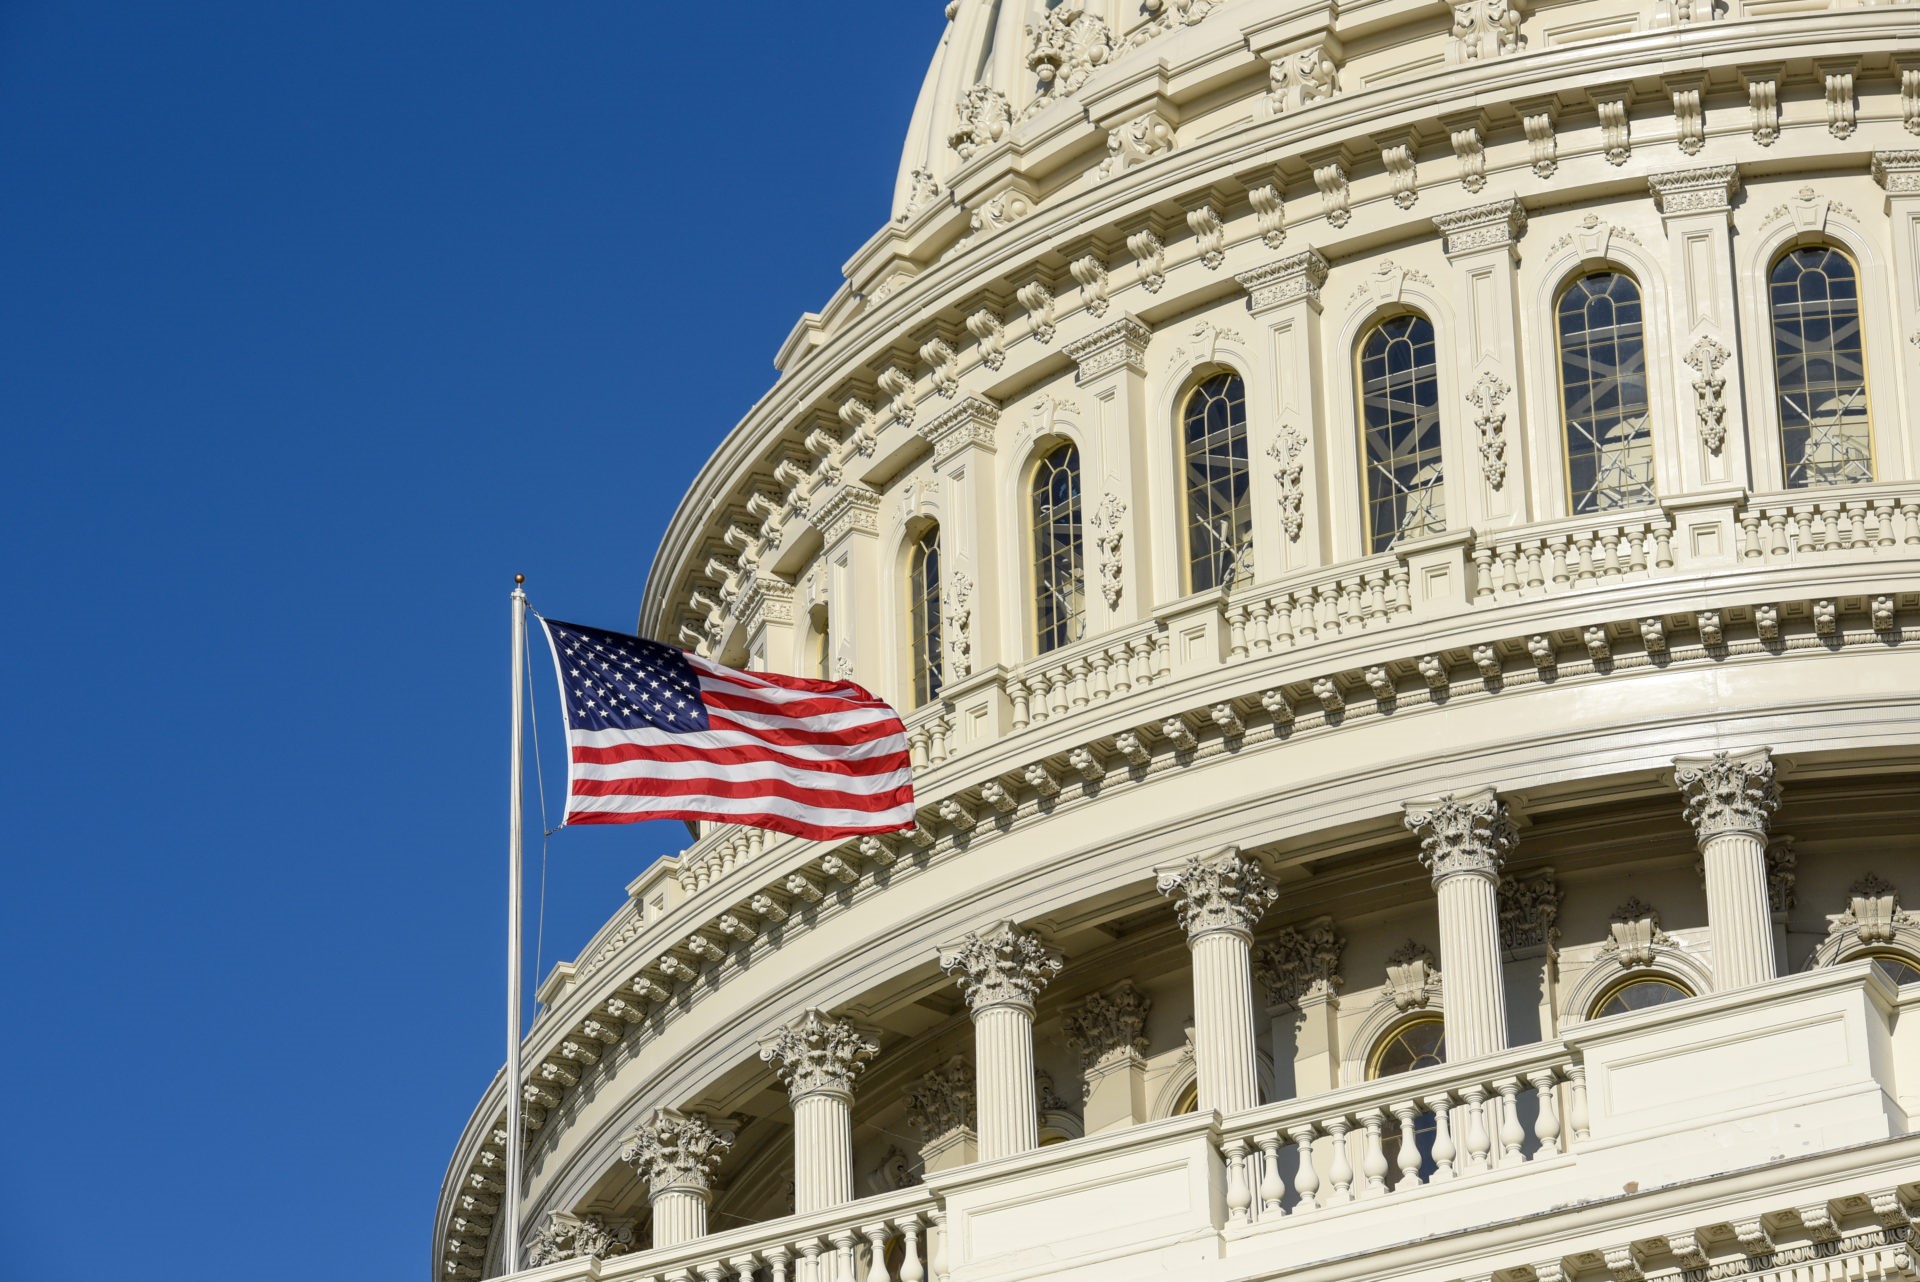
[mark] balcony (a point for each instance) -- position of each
(1649, 1130)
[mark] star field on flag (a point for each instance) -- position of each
(654, 732)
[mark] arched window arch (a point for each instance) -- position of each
(1416, 1044)
(1603, 389)
(923, 615)
(1819, 367)
(1059, 572)
(1898, 967)
(1399, 382)
(1640, 992)
(1219, 510)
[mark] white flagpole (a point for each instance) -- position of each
(510, 1200)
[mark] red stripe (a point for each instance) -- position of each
(879, 765)
(795, 708)
(742, 790)
(776, 823)
(871, 733)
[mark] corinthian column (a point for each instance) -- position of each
(1000, 970)
(1464, 839)
(817, 1058)
(676, 1153)
(1728, 798)
(1219, 901)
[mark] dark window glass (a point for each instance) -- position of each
(1400, 426)
(1819, 368)
(923, 595)
(1603, 382)
(1219, 513)
(1059, 577)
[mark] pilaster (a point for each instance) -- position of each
(941, 1107)
(1284, 448)
(1300, 969)
(963, 460)
(849, 525)
(1696, 206)
(1114, 466)
(1729, 798)
(1465, 839)
(1898, 172)
(1482, 244)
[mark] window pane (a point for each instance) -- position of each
(1639, 995)
(1421, 1044)
(1819, 368)
(1603, 382)
(1400, 422)
(1219, 512)
(1899, 969)
(923, 595)
(1059, 579)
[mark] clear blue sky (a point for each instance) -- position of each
(317, 322)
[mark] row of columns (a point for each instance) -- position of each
(1465, 841)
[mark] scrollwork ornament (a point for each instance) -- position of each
(818, 1054)
(1705, 358)
(577, 1237)
(1108, 538)
(957, 612)
(1725, 793)
(1489, 394)
(1464, 833)
(1000, 966)
(677, 1151)
(1228, 892)
(1300, 962)
(1107, 1026)
(1288, 452)
(943, 1101)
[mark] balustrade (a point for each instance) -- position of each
(1567, 555)
(899, 1237)
(1067, 681)
(1788, 528)
(1321, 606)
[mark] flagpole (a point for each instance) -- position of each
(510, 1251)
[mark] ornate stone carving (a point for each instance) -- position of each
(1209, 235)
(1690, 123)
(1300, 962)
(1000, 966)
(817, 1053)
(1107, 1026)
(942, 1102)
(1528, 907)
(1483, 29)
(990, 333)
(923, 189)
(998, 212)
(1489, 226)
(1873, 913)
(1413, 979)
(1471, 151)
(1136, 142)
(1403, 178)
(1463, 833)
(1119, 345)
(1296, 276)
(1695, 191)
(1306, 76)
(674, 1150)
(852, 507)
(1165, 15)
(1038, 300)
(1898, 172)
(1633, 934)
(1782, 875)
(1109, 534)
(1269, 213)
(1386, 282)
(1094, 289)
(982, 119)
(1151, 254)
(956, 611)
(1225, 892)
(1335, 196)
(1763, 104)
(1727, 792)
(1489, 394)
(577, 1237)
(1614, 135)
(971, 422)
(1705, 358)
(1838, 74)
(1536, 121)
(1065, 47)
(943, 365)
(1288, 451)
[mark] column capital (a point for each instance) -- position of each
(1707, 190)
(1000, 966)
(677, 1152)
(1227, 892)
(566, 1236)
(1497, 224)
(817, 1054)
(1107, 1026)
(1285, 280)
(943, 1101)
(851, 507)
(1463, 833)
(1898, 172)
(971, 422)
(1728, 792)
(1120, 344)
(1300, 963)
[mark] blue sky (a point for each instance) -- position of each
(317, 322)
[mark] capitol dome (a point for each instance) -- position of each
(1394, 528)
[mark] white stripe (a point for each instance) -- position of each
(798, 777)
(816, 723)
(729, 682)
(707, 740)
(823, 816)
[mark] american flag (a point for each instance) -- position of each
(654, 732)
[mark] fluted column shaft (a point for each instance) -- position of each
(822, 1151)
(817, 1057)
(1219, 901)
(1000, 971)
(1465, 839)
(1009, 1108)
(1729, 798)
(679, 1215)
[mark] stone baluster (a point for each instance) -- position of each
(1219, 900)
(817, 1058)
(1373, 1162)
(911, 1270)
(1307, 1182)
(1729, 797)
(1445, 1151)
(676, 1153)
(877, 1235)
(1546, 1127)
(1239, 1187)
(1577, 1118)
(810, 1252)
(1000, 970)
(1340, 1172)
(1465, 839)
(1407, 1112)
(844, 1243)
(1479, 1140)
(1513, 1136)
(779, 1261)
(1273, 1189)
(937, 1244)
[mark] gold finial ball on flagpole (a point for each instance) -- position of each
(519, 580)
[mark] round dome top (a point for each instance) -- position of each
(1003, 62)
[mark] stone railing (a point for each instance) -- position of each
(1317, 605)
(1787, 528)
(1399, 1133)
(1088, 672)
(1560, 556)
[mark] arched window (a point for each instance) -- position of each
(1400, 430)
(1638, 993)
(1419, 1043)
(1819, 368)
(1189, 1101)
(923, 615)
(1603, 387)
(1897, 967)
(1059, 576)
(1219, 513)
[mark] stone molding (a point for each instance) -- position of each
(851, 507)
(677, 1152)
(1493, 225)
(971, 422)
(1297, 276)
(1119, 345)
(1463, 833)
(1224, 893)
(817, 1054)
(1000, 966)
(1529, 906)
(1695, 191)
(578, 1237)
(1728, 792)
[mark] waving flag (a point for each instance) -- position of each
(654, 732)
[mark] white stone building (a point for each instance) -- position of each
(1397, 528)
